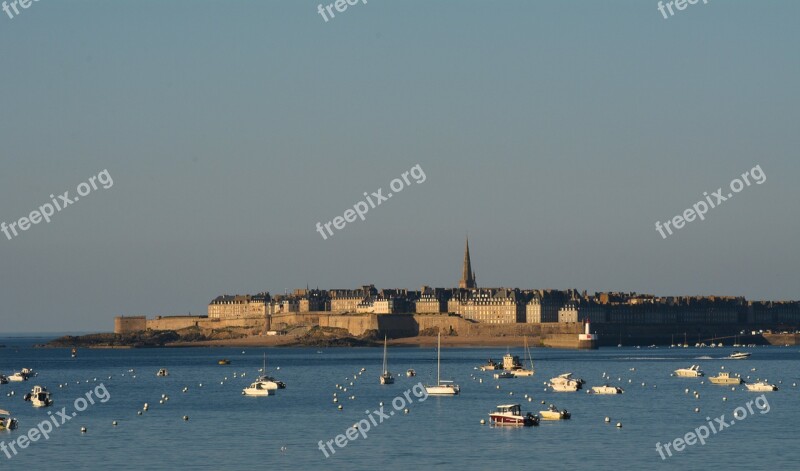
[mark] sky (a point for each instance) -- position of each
(554, 134)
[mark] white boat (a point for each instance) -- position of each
(162, 372)
(725, 378)
(442, 388)
(761, 386)
(521, 371)
(504, 375)
(739, 356)
(691, 372)
(260, 388)
(39, 397)
(552, 413)
(511, 414)
(386, 376)
(6, 421)
(566, 383)
(491, 365)
(17, 377)
(267, 380)
(27, 373)
(411, 373)
(607, 389)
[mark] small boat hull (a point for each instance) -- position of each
(522, 373)
(513, 420)
(504, 375)
(442, 390)
(761, 387)
(258, 392)
(554, 415)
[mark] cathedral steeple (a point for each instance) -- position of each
(467, 275)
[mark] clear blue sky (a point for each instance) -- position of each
(554, 133)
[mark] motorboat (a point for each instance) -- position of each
(511, 414)
(442, 387)
(224, 361)
(3, 379)
(410, 373)
(552, 413)
(386, 376)
(162, 372)
(27, 373)
(260, 388)
(504, 375)
(17, 377)
(6, 421)
(39, 397)
(739, 356)
(691, 372)
(725, 379)
(606, 389)
(511, 362)
(491, 365)
(566, 383)
(761, 386)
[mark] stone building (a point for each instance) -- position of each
(347, 300)
(239, 306)
(491, 306)
(432, 300)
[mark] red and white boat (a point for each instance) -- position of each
(511, 414)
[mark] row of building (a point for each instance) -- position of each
(507, 306)
(511, 305)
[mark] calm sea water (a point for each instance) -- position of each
(229, 431)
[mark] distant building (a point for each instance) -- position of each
(432, 300)
(491, 306)
(581, 311)
(239, 306)
(314, 300)
(544, 305)
(347, 300)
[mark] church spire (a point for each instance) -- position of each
(467, 275)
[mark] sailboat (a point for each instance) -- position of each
(442, 388)
(522, 371)
(269, 381)
(386, 377)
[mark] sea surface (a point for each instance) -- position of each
(229, 431)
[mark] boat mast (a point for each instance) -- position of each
(439, 361)
(384, 355)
